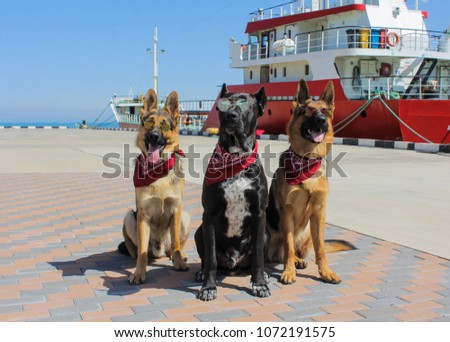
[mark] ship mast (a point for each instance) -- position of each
(155, 53)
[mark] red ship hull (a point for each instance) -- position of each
(428, 118)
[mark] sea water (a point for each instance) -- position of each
(57, 124)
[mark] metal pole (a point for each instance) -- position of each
(155, 53)
(155, 60)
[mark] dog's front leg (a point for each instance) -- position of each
(178, 257)
(287, 222)
(209, 289)
(258, 230)
(143, 236)
(318, 238)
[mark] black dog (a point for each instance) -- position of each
(233, 232)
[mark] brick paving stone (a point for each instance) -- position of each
(75, 309)
(312, 302)
(342, 316)
(381, 314)
(303, 315)
(418, 316)
(59, 262)
(157, 307)
(221, 316)
(67, 317)
(141, 317)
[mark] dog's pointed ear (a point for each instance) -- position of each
(261, 99)
(223, 91)
(150, 102)
(328, 94)
(302, 92)
(172, 106)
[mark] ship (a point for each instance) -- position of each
(193, 113)
(391, 75)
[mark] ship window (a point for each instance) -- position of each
(289, 34)
(131, 110)
(284, 72)
(251, 74)
(275, 73)
(306, 69)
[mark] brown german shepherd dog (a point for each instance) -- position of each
(299, 190)
(159, 226)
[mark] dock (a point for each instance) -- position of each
(64, 194)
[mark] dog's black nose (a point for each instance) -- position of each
(152, 137)
(320, 119)
(232, 116)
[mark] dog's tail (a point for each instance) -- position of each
(123, 249)
(128, 222)
(332, 246)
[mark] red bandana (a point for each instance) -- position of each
(223, 164)
(298, 169)
(146, 173)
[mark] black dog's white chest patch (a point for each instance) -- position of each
(237, 205)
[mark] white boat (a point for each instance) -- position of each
(127, 109)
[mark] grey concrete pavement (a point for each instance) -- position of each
(398, 196)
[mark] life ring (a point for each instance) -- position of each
(392, 39)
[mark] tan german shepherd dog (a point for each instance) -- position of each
(159, 226)
(299, 190)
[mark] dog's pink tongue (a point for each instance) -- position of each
(152, 154)
(318, 136)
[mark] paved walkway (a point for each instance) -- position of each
(58, 262)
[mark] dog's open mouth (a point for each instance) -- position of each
(315, 128)
(154, 153)
(317, 136)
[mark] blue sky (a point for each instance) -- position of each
(61, 61)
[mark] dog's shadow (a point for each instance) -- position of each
(115, 269)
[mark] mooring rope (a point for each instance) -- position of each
(404, 123)
(352, 117)
(103, 112)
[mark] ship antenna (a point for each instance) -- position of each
(155, 53)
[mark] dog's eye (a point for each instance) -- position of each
(224, 105)
(299, 111)
(165, 126)
(149, 124)
(243, 105)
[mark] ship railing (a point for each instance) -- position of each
(128, 118)
(395, 87)
(185, 105)
(305, 6)
(196, 106)
(354, 37)
(192, 122)
(127, 99)
(194, 114)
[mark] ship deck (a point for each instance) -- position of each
(61, 218)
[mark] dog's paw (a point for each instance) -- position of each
(301, 264)
(207, 294)
(330, 277)
(179, 261)
(199, 276)
(288, 277)
(261, 290)
(137, 278)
